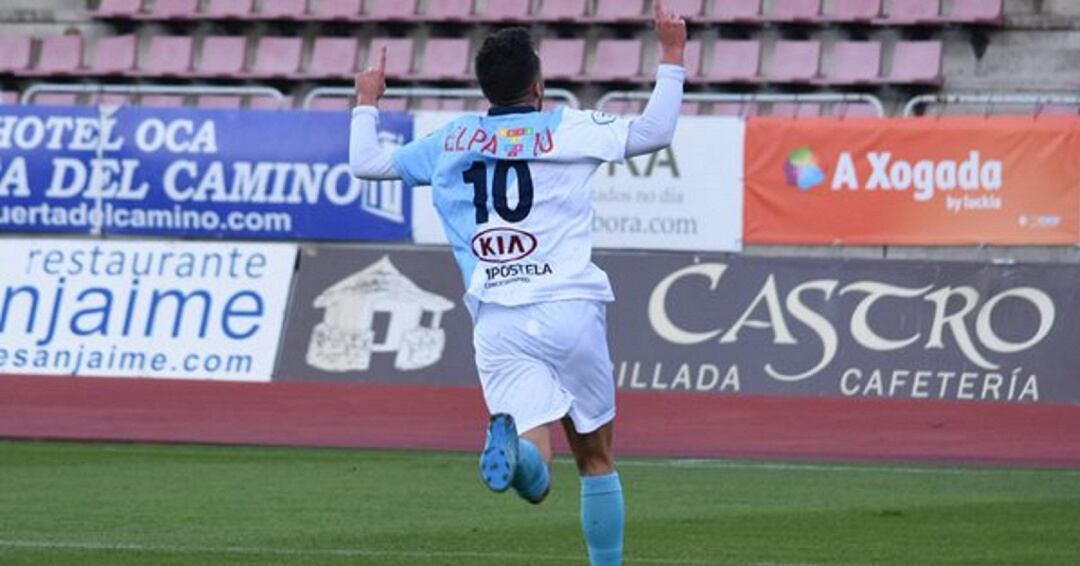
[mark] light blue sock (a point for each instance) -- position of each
(602, 518)
(531, 477)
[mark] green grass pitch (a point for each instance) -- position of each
(122, 504)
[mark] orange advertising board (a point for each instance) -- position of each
(914, 181)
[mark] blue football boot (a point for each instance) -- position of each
(498, 462)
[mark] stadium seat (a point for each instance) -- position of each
(283, 9)
(332, 103)
(399, 55)
(218, 101)
(449, 10)
(222, 56)
(162, 100)
(916, 62)
(853, 62)
(736, 60)
(168, 55)
(117, 8)
(339, 10)
(692, 59)
(854, 110)
(277, 57)
(15, 53)
(9, 97)
(619, 11)
(564, 59)
(270, 103)
(623, 107)
(110, 99)
(913, 12)
(225, 9)
(56, 99)
(853, 11)
(617, 60)
(689, 9)
(391, 10)
(690, 108)
(114, 55)
(977, 11)
(393, 104)
(796, 109)
(554, 10)
(795, 10)
(736, 109)
(333, 57)
(173, 10)
(735, 11)
(60, 55)
(795, 61)
(504, 11)
(445, 59)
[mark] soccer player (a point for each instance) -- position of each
(512, 191)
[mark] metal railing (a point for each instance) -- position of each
(1038, 100)
(419, 92)
(852, 98)
(40, 88)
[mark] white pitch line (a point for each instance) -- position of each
(796, 467)
(344, 552)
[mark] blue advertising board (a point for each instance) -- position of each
(232, 174)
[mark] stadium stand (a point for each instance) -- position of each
(227, 9)
(218, 101)
(617, 60)
(59, 56)
(619, 11)
(853, 62)
(564, 59)
(283, 9)
(795, 61)
(221, 56)
(277, 57)
(172, 9)
(332, 58)
(567, 10)
(914, 12)
(802, 11)
(167, 56)
(449, 11)
(734, 61)
(445, 59)
(504, 11)
(15, 54)
(113, 55)
(852, 11)
(916, 62)
(336, 10)
(399, 55)
(734, 11)
(391, 10)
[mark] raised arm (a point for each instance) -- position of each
(367, 158)
(655, 128)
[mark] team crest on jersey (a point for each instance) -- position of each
(503, 245)
(603, 118)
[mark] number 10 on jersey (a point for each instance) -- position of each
(476, 175)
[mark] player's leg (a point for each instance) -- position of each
(602, 507)
(522, 462)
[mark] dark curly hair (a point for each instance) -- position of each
(507, 66)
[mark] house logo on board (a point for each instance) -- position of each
(374, 311)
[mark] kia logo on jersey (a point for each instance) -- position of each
(503, 245)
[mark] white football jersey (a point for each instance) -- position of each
(512, 191)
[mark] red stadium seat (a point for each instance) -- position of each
(504, 11)
(617, 60)
(341, 10)
(333, 57)
(552, 10)
(283, 9)
(168, 55)
(449, 10)
(331, 103)
(737, 60)
(916, 62)
(15, 53)
(619, 11)
(795, 61)
(394, 104)
(270, 103)
(222, 56)
(796, 109)
(692, 59)
(118, 8)
(914, 12)
(114, 55)
(277, 57)
(399, 55)
(795, 10)
(9, 97)
(60, 55)
(854, 62)
(977, 11)
(445, 59)
(221, 9)
(563, 58)
(689, 9)
(173, 9)
(854, 11)
(735, 11)
(56, 99)
(391, 10)
(218, 101)
(162, 100)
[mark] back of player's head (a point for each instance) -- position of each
(507, 66)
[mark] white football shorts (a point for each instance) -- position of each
(541, 362)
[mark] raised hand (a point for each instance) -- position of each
(371, 84)
(671, 32)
